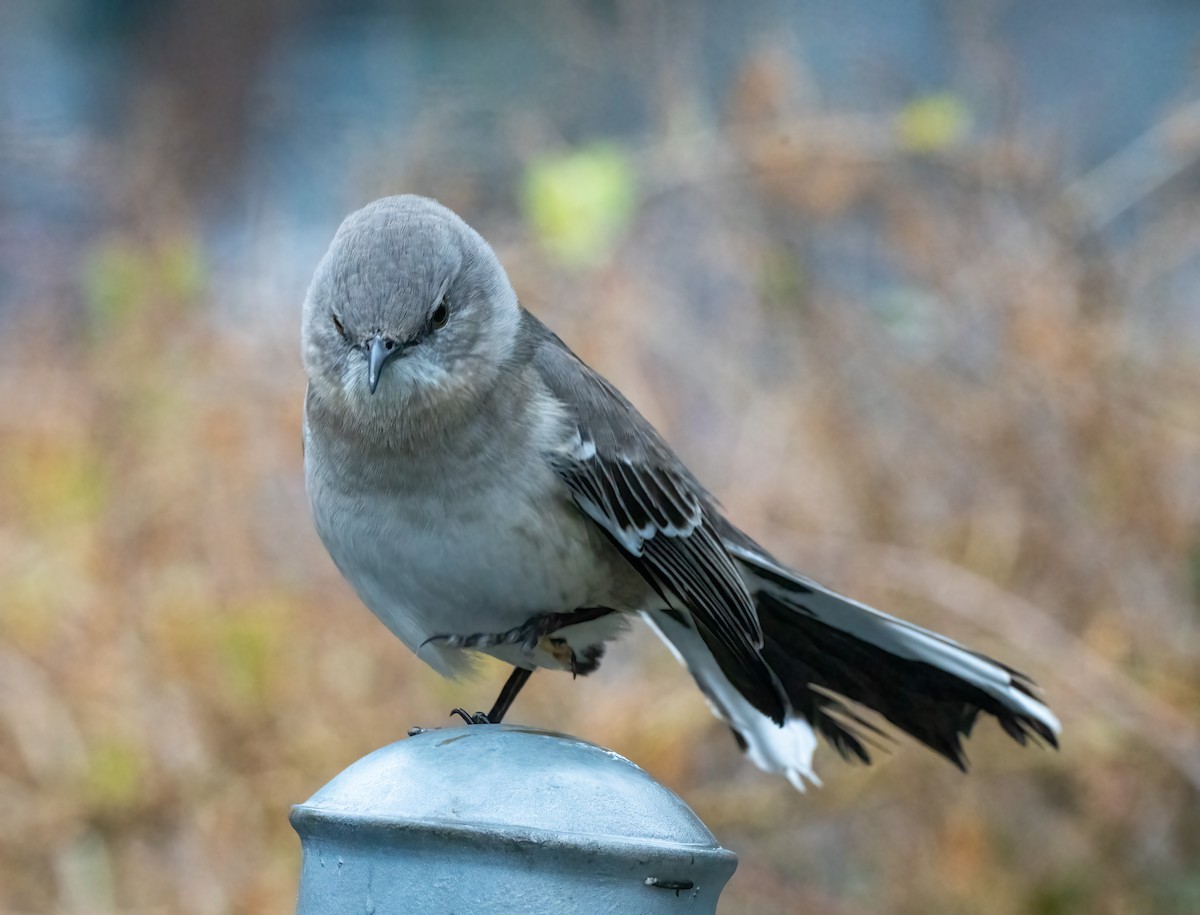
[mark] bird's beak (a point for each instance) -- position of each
(379, 349)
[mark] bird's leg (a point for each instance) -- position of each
(518, 678)
(529, 635)
(508, 693)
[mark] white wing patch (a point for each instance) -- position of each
(633, 493)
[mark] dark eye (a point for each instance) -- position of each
(338, 324)
(441, 314)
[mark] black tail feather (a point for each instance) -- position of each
(751, 675)
(935, 706)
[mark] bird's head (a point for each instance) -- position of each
(408, 308)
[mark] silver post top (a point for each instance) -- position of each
(500, 818)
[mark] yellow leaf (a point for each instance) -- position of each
(933, 123)
(579, 202)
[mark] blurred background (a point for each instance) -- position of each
(912, 287)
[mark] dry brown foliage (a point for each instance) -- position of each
(1002, 445)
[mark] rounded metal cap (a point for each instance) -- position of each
(499, 818)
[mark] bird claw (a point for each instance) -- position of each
(477, 718)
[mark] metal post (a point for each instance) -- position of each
(503, 819)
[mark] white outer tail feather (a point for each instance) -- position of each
(898, 637)
(789, 749)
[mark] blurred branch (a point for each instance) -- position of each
(1139, 169)
(701, 156)
(38, 719)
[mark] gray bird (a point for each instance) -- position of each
(483, 490)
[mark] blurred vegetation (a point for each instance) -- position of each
(994, 439)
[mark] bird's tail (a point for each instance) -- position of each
(823, 648)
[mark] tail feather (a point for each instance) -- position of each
(786, 748)
(826, 654)
(819, 642)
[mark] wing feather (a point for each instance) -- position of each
(625, 478)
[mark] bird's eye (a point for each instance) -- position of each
(338, 324)
(441, 314)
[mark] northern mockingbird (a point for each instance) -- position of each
(484, 490)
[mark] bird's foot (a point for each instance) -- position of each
(529, 634)
(477, 718)
(582, 665)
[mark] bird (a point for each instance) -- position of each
(484, 491)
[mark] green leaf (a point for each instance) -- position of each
(933, 123)
(115, 282)
(121, 279)
(115, 772)
(580, 202)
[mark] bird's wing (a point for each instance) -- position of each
(625, 478)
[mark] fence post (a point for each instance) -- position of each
(501, 818)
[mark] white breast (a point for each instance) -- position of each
(465, 547)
